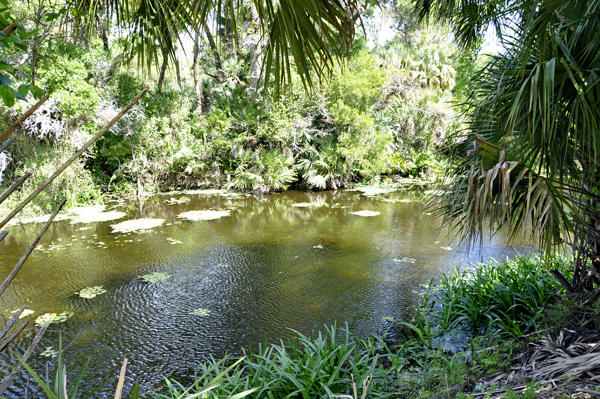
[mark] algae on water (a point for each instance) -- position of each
(200, 312)
(196, 216)
(155, 277)
(136, 225)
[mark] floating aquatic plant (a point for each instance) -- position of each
(174, 241)
(49, 352)
(98, 217)
(405, 260)
(366, 213)
(155, 277)
(177, 201)
(53, 318)
(200, 312)
(136, 225)
(446, 248)
(317, 247)
(196, 216)
(223, 265)
(91, 292)
(387, 319)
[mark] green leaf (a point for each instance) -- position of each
(5, 80)
(23, 90)
(37, 92)
(17, 94)
(7, 95)
(5, 66)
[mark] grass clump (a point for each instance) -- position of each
(329, 365)
(509, 297)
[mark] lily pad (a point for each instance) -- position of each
(317, 247)
(223, 265)
(155, 277)
(196, 216)
(136, 225)
(52, 318)
(200, 312)
(91, 292)
(366, 213)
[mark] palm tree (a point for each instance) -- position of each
(303, 35)
(529, 157)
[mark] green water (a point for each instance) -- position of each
(267, 268)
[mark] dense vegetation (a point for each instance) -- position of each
(383, 114)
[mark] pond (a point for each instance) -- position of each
(262, 267)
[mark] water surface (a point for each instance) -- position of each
(267, 269)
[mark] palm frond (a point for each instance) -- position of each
(492, 191)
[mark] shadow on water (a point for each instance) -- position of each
(289, 261)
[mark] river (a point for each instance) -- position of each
(276, 263)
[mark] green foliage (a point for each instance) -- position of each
(304, 368)
(509, 296)
(14, 42)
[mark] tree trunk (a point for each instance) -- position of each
(587, 235)
(163, 69)
(178, 72)
(197, 80)
(104, 38)
(213, 47)
(35, 42)
(255, 67)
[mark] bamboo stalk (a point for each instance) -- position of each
(16, 269)
(3, 234)
(14, 335)
(14, 186)
(8, 30)
(73, 158)
(11, 322)
(5, 145)
(26, 115)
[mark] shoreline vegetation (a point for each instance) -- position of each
(476, 333)
(106, 212)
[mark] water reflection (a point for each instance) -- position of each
(287, 267)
